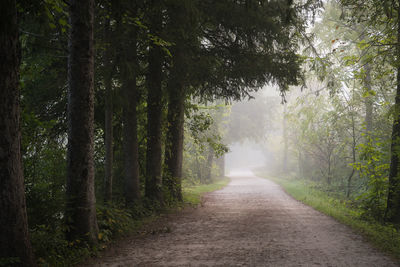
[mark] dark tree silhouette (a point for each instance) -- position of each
(129, 67)
(154, 108)
(15, 247)
(80, 208)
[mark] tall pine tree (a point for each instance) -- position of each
(80, 208)
(15, 247)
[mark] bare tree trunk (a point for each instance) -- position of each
(199, 171)
(368, 100)
(329, 178)
(154, 109)
(130, 132)
(301, 164)
(285, 141)
(353, 151)
(221, 165)
(108, 179)
(80, 208)
(392, 213)
(209, 164)
(14, 236)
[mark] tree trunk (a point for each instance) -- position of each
(285, 141)
(14, 237)
(209, 164)
(176, 106)
(80, 207)
(199, 172)
(329, 178)
(301, 164)
(130, 132)
(174, 143)
(393, 202)
(182, 33)
(154, 109)
(353, 151)
(368, 100)
(221, 165)
(108, 179)
(392, 213)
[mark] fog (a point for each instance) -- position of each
(244, 157)
(265, 135)
(254, 133)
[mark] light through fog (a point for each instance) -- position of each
(243, 158)
(254, 134)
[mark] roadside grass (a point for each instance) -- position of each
(384, 237)
(192, 194)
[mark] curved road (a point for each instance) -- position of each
(251, 222)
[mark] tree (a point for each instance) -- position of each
(393, 201)
(235, 48)
(108, 127)
(247, 44)
(15, 247)
(154, 106)
(80, 206)
(129, 73)
(285, 140)
(182, 25)
(382, 18)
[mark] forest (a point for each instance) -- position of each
(111, 109)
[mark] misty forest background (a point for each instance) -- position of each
(111, 109)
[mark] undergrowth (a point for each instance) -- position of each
(385, 237)
(51, 248)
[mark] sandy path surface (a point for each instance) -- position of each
(251, 222)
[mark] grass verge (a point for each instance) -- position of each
(192, 194)
(384, 237)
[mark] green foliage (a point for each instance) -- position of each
(374, 168)
(9, 261)
(339, 128)
(113, 221)
(314, 132)
(44, 170)
(205, 131)
(229, 53)
(57, 15)
(52, 249)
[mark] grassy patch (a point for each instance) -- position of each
(192, 194)
(384, 237)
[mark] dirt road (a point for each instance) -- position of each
(251, 222)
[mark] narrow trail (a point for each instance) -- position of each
(251, 222)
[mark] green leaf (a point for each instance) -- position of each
(62, 22)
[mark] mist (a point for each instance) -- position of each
(254, 133)
(244, 156)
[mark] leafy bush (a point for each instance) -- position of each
(113, 221)
(373, 167)
(51, 248)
